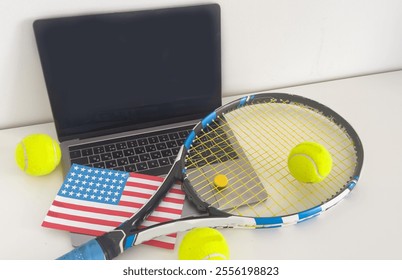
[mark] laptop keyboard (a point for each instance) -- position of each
(151, 153)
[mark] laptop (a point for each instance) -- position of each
(126, 88)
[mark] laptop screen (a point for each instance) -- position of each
(119, 71)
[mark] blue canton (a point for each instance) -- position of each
(94, 184)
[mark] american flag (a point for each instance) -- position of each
(93, 201)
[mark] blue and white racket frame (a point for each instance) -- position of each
(269, 222)
(127, 235)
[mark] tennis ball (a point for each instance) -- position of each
(38, 154)
(309, 162)
(203, 244)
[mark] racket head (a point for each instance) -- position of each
(249, 140)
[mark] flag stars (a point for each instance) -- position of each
(91, 197)
(94, 184)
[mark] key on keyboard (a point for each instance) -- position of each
(152, 154)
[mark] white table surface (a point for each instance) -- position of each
(366, 225)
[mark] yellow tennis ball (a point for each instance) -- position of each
(38, 154)
(309, 162)
(203, 244)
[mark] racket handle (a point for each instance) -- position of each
(87, 251)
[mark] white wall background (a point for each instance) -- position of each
(266, 44)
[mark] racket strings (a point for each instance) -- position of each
(321, 130)
(248, 195)
(260, 166)
(286, 118)
(268, 158)
(232, 168)
(331, 141)
(252, 153)
(258, 152)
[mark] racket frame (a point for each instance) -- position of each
(127, 234)
(288, 99)
(214, 217)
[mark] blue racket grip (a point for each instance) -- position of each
(87, 251)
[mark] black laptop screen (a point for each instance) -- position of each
(129, 70)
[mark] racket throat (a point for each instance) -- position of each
(145, 211)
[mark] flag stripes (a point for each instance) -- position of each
(70, 211)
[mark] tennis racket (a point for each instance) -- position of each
(247, 143)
